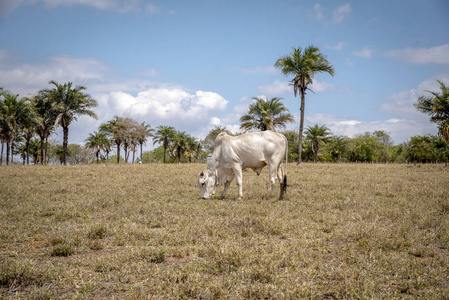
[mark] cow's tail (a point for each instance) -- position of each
(284, 184)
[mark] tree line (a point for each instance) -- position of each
(27, 123)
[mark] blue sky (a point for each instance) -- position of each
(197, 64)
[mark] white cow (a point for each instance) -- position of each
(233, 154)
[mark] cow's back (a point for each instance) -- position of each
(255, 148)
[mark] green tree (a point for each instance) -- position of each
(318, 136)
(180, 144)
(95, 141)
(143, 133)
(163, 137)
(13, 113)
(45, 118)
(209, 140)
(420, 149)
(266, 114)
(336, 147)
(437, 107)
(115, 129)
(69, 103)
(35, 146)
(292, 140)
(303, 65)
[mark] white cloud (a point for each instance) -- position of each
(365, 52)
(29, 78)
(279, 87)
(339, 14)
(155, 103)
(337, 47)
(432, 55)
(276, 88)
(320, 86)
(167, 106)
(401, 104)
(319, 11)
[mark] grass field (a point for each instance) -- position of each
(345, 231)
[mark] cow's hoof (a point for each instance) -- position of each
(239, 198)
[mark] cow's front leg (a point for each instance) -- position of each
(223, 194)
(239, 180)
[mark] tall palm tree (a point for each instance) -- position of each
(70, 103)
(164, 136)
(95, 142)
(437, 106)
(143, 132)
(303, 65)
(317, 136)
(45, 117)
(266, 114)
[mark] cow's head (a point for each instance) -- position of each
(207, 184)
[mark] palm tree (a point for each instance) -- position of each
(317, 136)
(115, 129)
(13, 112)
(437, 106)
(192, 147)
(143, 132)
(95, 142)
(70, 103)
(180, 144)
(266, 114)
(164, 136)
(106, 146)
(45, 116)
(35, 150)
(303, 65)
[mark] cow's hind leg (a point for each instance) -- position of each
(223, 194)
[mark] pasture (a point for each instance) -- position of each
(344, 231)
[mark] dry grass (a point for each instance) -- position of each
(141, 231)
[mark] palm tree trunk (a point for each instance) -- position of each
(165, 150)
(28, 152)
(7, 153)
(1, 154)
(118, 153)
(301, 126)
(65, 140)
(42, 148)
(141, 152)
(45, 159)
